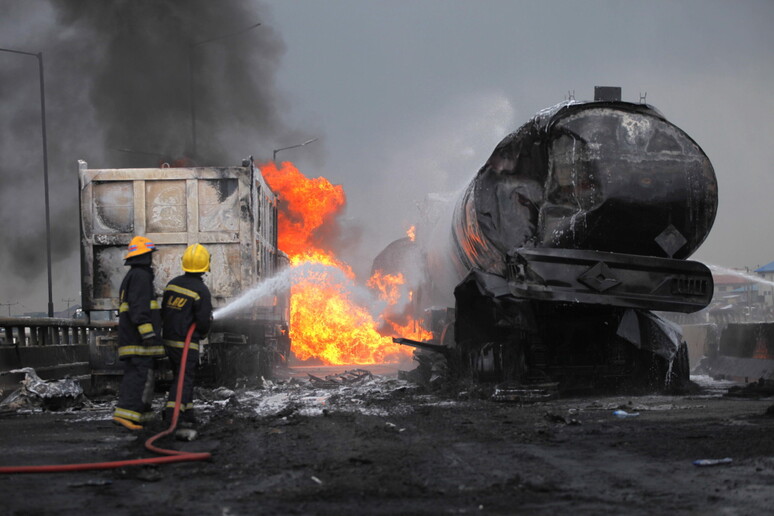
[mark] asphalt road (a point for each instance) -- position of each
(379, 445)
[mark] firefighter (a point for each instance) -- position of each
(139, 336)
(186, 301)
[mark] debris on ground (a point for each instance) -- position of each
(526, 394)
(45, 394)
(356, 390)
(432, 370)
(346, 378)
(185, 434)
(756, 390)
(556, 418)
(713, 462)
(377, 447)
(621, 414)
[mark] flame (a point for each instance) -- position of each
(761, 349)
(388, 286)
(307, 206)
(412, 233)
(326, 322)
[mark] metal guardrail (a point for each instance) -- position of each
(44, 331)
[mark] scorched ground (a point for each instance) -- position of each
(374, 444)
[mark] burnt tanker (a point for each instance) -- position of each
(561, 248)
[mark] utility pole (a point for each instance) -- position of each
(68, 301)
(39, 57)
(9, 305)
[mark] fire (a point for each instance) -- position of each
(326, 322)
(412, 233)
(388, 286)
(307, 206)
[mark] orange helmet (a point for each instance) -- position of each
(139, 245)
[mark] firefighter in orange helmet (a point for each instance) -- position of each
(187, 300)
(139, 336)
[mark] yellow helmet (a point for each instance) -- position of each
(139, 245)
(196, 259)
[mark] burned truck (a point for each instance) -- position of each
(229, 210)
(562, 249)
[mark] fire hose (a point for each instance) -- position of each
(168, 455)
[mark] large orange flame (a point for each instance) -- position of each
(325, 321)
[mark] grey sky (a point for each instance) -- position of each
(409, 98)
(412, 97)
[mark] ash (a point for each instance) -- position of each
(356, 391)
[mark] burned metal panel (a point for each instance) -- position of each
(109, 271)
(113, 208)
(229, 280)
(166, 265)
(218, 204)
(611, 279)
(165, 206)
(265, 228)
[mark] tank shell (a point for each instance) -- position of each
(605, 176)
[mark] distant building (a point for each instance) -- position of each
(733, 289)
(767, 273)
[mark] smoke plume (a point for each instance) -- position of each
(124, 80)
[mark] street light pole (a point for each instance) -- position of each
(39, 56)
(191, 93)
(274, 155)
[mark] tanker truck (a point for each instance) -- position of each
(551, 265)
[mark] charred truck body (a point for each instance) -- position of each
(229, 210)
(561, 247)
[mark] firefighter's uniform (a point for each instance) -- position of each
(186, 301)
(139, 336)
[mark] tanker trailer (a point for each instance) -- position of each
(560, 249)
(231, 211)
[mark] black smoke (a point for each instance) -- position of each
(118, 78)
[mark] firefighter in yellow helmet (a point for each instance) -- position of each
(139, 336)
(186, 301)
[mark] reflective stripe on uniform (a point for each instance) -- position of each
(183, 406)
(124, 307)
(131, 415)
(145, 351)
(184, 291)
(146, 329)
(181, 345)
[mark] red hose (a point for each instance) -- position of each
(170, 455)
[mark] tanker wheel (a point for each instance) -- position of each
(499, 361)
